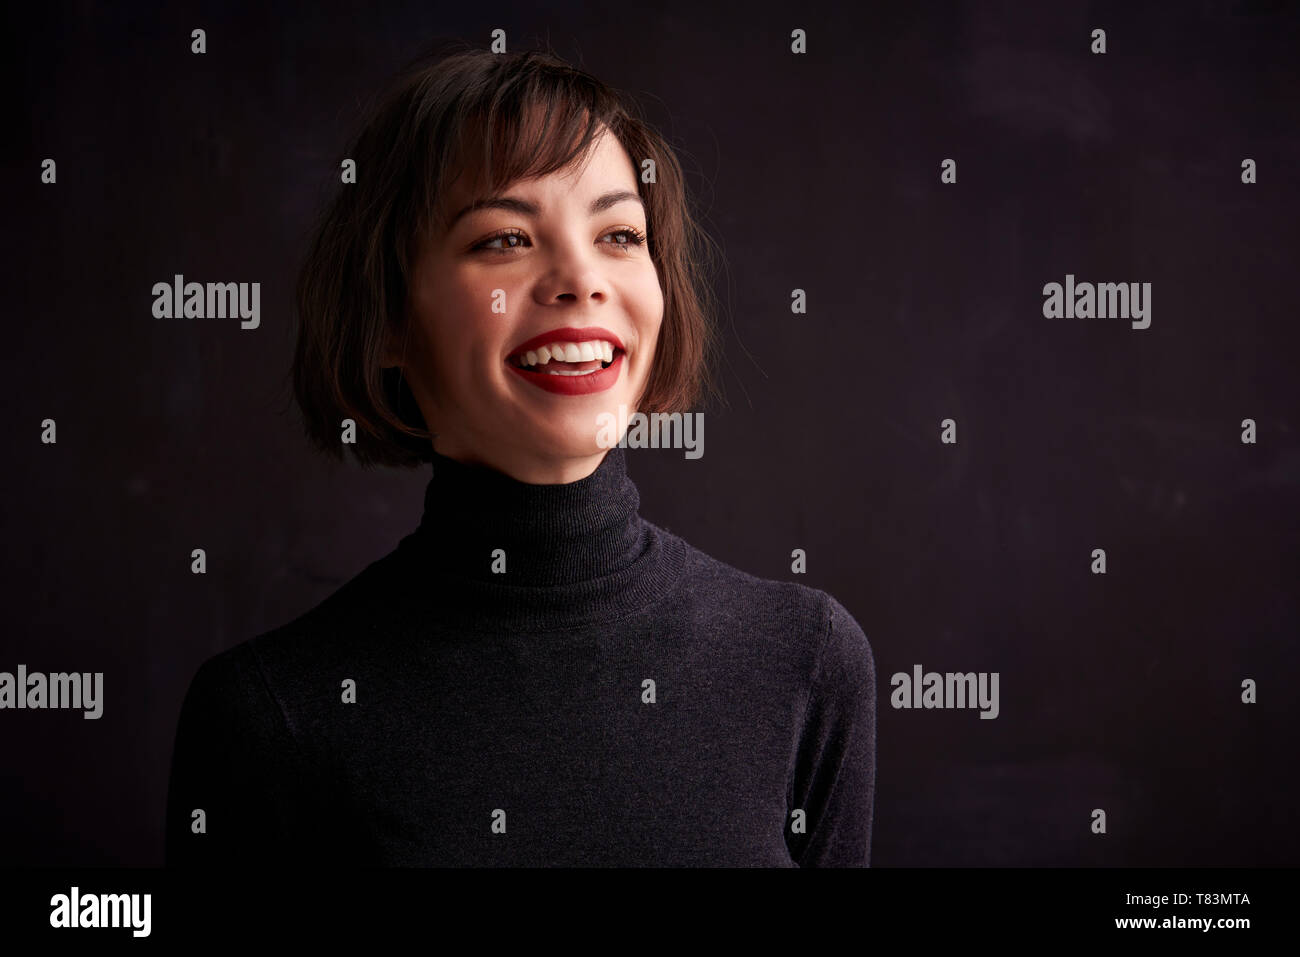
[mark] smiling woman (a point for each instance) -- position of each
(536, 675)
(499, 344)
(506, 196)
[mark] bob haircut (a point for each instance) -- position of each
(496, 118)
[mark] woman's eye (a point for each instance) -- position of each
(504, 238)
(629, 238)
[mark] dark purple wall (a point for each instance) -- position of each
(1119, 691)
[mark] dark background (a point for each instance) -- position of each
(1118, 691)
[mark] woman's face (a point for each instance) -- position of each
(515, 272)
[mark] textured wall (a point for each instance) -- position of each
(970, 547)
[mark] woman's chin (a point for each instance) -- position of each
(570, 445)
(576, 435)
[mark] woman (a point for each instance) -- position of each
(536, 675)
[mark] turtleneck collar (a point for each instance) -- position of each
(574, 552)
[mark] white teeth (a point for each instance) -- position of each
(569, 352)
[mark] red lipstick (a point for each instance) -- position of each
(573, 384)
(585, 384)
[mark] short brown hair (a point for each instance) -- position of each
(452, 104)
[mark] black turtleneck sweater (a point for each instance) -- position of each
(596, 693)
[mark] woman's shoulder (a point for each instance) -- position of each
(788, 606)
(247, 669)
(787, 624)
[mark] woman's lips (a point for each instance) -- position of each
(574, 384)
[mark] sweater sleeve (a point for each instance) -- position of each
(234, 759)
(835, 767)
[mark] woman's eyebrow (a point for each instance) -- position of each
(525, 208)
